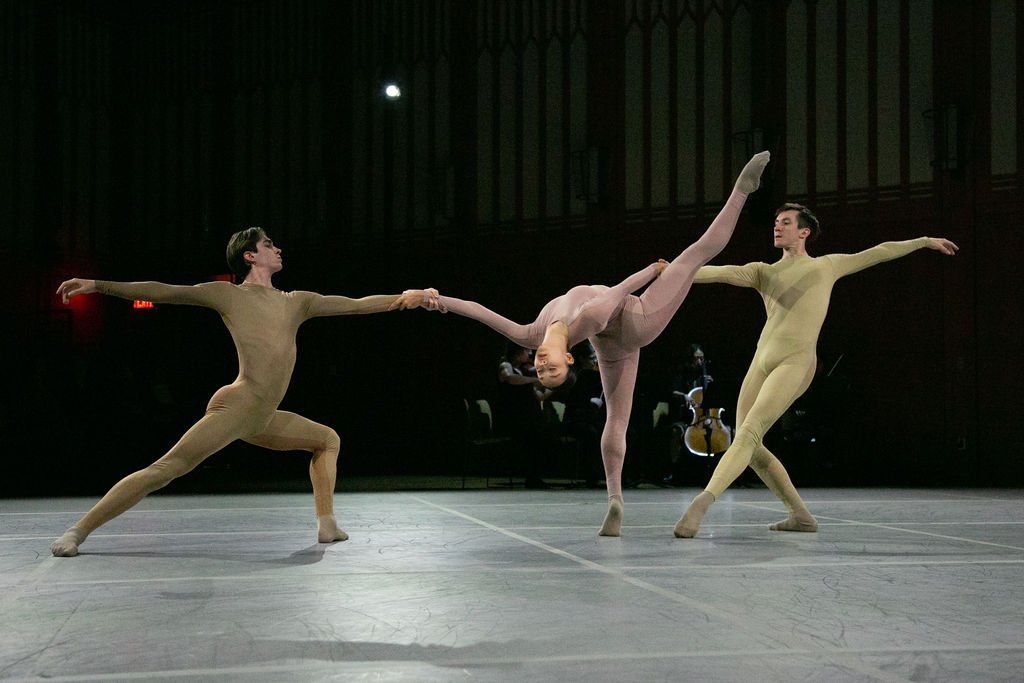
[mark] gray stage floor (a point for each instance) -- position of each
(919, 585)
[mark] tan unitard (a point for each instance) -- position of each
(263, 322)
(796, 293)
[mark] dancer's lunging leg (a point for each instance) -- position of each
(776, 393)
(212, 433)
(291, 432)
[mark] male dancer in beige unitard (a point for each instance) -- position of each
(263, 322)
(796, 291)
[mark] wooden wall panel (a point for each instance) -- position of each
(17, 123)
(921, 95)
(1005, 79)
(136, 131)
(531, 111)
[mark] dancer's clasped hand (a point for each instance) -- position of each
(75, 286)
(662, 264)
(415, 298)
(943, 245)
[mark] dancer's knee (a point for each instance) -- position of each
(162, 472)
(748, 436)
(761, 459)
(332, 442)
(744, 446)
(329, 447)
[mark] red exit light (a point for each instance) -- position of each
(142, 304)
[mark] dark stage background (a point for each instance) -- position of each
(539, 145)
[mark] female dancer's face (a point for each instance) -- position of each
(552, 365)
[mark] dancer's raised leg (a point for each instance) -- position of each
(618, 378)
(212, 433)
(291, 432)
(661, 300)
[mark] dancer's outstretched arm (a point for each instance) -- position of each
(847, 264)
(318, 305)
(602, 308)
(208, 294)
(636, 280)
(748, 275)
(527, 336)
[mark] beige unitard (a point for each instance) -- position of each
(796, 293)
(263, 322)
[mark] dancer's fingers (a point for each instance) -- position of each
(68, 290)
(402, 302)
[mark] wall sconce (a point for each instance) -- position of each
(945, 120)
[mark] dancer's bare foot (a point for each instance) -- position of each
(612, 520)
(67, 544)
(689, 523)
(799, 521)
(327, 530)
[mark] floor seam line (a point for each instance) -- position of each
(707, 610)
(896, 528)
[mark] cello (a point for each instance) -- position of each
(706, 435)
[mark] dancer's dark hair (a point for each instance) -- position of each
(805, 218)
(241, 242)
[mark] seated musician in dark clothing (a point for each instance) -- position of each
(518, 411)
(584, 410)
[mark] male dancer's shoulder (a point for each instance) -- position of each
(302, 298)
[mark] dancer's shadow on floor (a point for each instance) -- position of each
(311, 555)
(479, 655)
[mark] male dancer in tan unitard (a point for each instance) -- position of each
(263, 322)
(796, 291)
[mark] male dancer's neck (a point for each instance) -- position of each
(794, 251)
(259, 277)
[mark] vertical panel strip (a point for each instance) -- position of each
(905, 95)
(647, 25)
(727, 27)
(841, 119)
(543, 41)
(698, 151)
(812, 98)
(673, 108)
(873, 98)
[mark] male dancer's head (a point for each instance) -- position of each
(795, 227)
(253, 257)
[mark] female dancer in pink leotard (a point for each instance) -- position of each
(616, 322)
